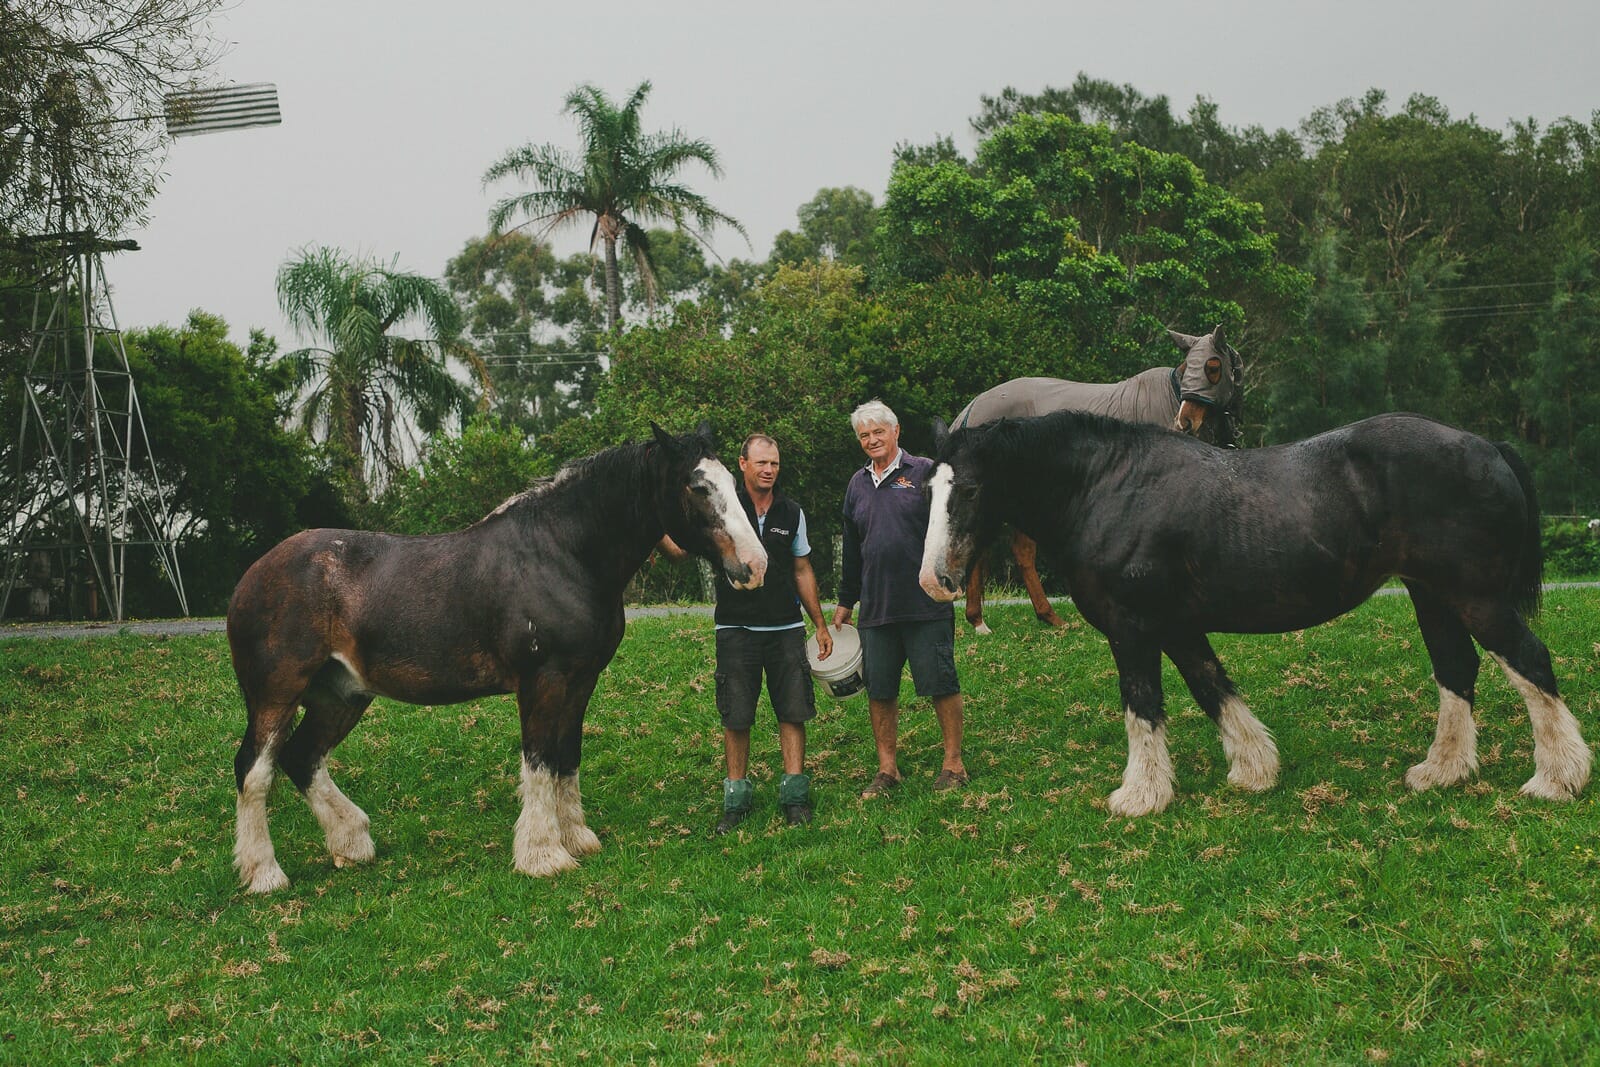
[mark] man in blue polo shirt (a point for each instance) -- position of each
(885, 524)
(761, 630)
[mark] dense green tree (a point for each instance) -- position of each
(1114, 240)
(534, 325)
(1562, 402)
(1451, 231)
(1333, 373)
(621, 176)
(367, 380)
(461, 478)
(933, 346)
(237, 481)
(1223, 153)
(836, 224)
(678, 270)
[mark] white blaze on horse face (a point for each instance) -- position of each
(936, 546)
(732, 532)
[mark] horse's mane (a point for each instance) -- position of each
(621, 465)
(616, 482)
(1044, 435)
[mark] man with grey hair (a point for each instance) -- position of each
(885, 523)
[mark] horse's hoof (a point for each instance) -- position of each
(981, 627)
(352, 846)
(267, 880)
(580, 841)
(547, 862)
(1547, 788)
(1427, 775)
(1251, 782)
(360, 852)
(1131, 803)
(1053, 620)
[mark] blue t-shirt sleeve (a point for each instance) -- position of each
(802, 547)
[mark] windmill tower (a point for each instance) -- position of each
(86, 485)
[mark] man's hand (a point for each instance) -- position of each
(841, 615)
(824, 642)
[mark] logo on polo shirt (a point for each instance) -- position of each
(902, 482)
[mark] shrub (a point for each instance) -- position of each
(1570, 550)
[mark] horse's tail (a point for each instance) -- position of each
(1528, 580)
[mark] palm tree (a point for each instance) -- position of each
(363, 385)
(622, 177)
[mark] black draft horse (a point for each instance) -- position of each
(1164, 540)
(528, 601)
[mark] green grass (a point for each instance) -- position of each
(1338, 918)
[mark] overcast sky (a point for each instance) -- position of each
(393, 109)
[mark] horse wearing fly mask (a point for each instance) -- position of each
(1203, 395)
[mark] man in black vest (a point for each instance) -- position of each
(761, 630)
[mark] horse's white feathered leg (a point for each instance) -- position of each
(1147, 782)
(576, 837)
(1453, 756)
(344, 824)
(1248, 745)
(538, 849)
(1561, 759)
(252, 846)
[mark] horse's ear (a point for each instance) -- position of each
(1217, 337)
(662, 437)
(941, 433)
(1182, 340)
(704, 432)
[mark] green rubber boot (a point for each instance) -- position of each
(794, 796)
(737, 798)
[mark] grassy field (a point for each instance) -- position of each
(1336, 919)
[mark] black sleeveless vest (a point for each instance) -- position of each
(776, 602)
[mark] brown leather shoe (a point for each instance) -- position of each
(881, 784)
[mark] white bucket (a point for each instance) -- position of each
(840, 674)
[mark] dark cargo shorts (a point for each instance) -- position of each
(742, 656)
(929, 646)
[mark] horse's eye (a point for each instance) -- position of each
(1213, 370)
(700, 490)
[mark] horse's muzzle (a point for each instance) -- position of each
(1191, 416)
(746, 574)
(939, 586)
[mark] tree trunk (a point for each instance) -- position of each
(613, 284)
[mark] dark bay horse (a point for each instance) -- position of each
(1165, 540)
(526, 601)
(1203, 396)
